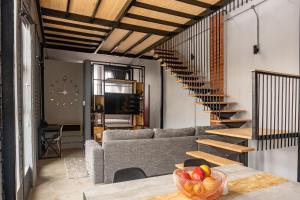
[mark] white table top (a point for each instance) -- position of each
(144, 189)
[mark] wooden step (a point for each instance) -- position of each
(170, 61)
(215, 103)
(179, 166)
(189, 76)
(207, 95)
(192, 81)
(195, 87)
(174, 66)
(158, 55)
(244, 133)
(226, 146)
(212, 158)
(229, 120)
(163, 50)
(224, 111)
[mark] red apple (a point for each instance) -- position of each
(186, 176)
(198, 174)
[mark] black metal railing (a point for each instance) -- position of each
(200, 48)
(275, 109)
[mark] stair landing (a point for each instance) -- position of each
(245, 133)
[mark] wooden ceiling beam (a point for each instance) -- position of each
(47, 28)
(68, 8)
(196, 3)
(137, 43)
(118, 19)
(206, 13)
(67, 48)
(164, 10)
(122, 40)
(153, 20)
(70, 43)
(95, 10)
(91, 28)
(103, 22)
(72, 38)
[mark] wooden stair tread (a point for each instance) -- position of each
(212, 103)
(191, 81)
(179, 166)
(173, 65)
(164, 50)
(225, 145)
(224, 111)
(207, 95)
(244, 133)
(196, 87)
(211, 158)
(229, 120)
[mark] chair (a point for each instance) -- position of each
(195, 162)
(53, 142)
(128, 174)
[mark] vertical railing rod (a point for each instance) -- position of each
(271, 111)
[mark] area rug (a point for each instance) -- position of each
(75, 168)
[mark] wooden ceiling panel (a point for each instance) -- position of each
(69, 45)
(152, 39)
(75, 22)
(54, 4)
(131, 40)
(175, 5)
(71, 35)
(148, 24)
(110, 9)
(83, 7)
(158, 15)
(113, 39)
(73, 29)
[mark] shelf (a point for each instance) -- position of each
(120, 81)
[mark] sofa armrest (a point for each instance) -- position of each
(94, 156)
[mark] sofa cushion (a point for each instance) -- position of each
(110, 135)
(167, 133)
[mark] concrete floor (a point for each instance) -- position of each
(53, 183)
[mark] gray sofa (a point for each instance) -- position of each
(154, 151)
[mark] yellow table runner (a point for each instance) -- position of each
(236, 187)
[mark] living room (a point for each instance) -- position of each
(145, 99)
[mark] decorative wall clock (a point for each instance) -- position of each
(64, 92)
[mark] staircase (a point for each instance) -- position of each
(212, 100)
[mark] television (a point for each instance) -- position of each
(120, 103)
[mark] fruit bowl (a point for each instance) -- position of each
(208, 187)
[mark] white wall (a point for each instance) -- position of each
(180, 109)
(279, 51)
(152, 71)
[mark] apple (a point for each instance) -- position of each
(206, 170)
(210, 184)
(186, 176)
(198, 189)
(198, 174)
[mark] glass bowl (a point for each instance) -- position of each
(210, 188)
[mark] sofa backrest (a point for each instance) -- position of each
(168, 133)
(155, 156)
(110, 135)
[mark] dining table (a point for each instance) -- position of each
(244, 183)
